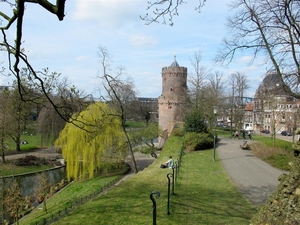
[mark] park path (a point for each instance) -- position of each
(255, 179)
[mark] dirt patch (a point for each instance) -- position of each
(14, 152)
(31, 160)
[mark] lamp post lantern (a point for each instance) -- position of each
(215, 108)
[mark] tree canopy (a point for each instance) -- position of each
(165, 10)
(195, 122)
(16, 53)
(269, 28)
(100, 143)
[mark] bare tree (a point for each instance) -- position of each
(68, 99)
(4, 121)
(21, 116)
(238, 84)
(196, 80)
(16, 204)
(214, 94)
(124, 90)
(165, 10)
(43, 190)
(114, 86)
(16, 53)
(270, 28)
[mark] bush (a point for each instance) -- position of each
(198, 141)
(275, 156)
(178, 130)
(195, 122)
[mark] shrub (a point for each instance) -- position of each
(275, 156)
(198, 141)
(195, 122)
(178, 130)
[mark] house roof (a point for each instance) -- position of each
(249, 106)
(271, 85)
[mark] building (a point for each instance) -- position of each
(171, 101)
(248, 116)
(149, 105)
(274, 110)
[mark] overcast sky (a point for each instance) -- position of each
(70, 46)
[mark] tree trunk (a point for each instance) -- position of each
(130, 148)
(3, 149)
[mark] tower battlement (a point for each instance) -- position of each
(171, 69)
(171, 102)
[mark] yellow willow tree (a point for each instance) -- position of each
(99, 143)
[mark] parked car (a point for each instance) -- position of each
(265, 131)
(285, 133)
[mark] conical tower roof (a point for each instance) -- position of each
(174, 63)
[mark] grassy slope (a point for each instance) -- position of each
(66, 197)
(203, 195)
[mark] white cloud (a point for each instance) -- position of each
(141, 40)
(112, 13)
(70, 46)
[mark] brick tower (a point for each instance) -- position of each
(170, 103)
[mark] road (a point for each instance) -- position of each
(279, 136)
(255, 179)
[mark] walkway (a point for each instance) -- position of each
(253, 177)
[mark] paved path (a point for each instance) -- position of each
(254, 178)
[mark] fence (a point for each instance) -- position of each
(174, 176)
(54, 216)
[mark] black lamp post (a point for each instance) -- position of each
(215, 108)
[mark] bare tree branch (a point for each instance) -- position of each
(16, 55)
(270, 28)
(165, 10)
(112, 86)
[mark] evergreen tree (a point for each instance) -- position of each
(195, 122)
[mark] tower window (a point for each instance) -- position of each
(171, 89)
(169, 107)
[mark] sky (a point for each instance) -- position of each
(70, 46)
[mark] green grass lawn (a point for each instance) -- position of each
(63, 199)
(203, 195)
(34, 142)
(9, 169)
